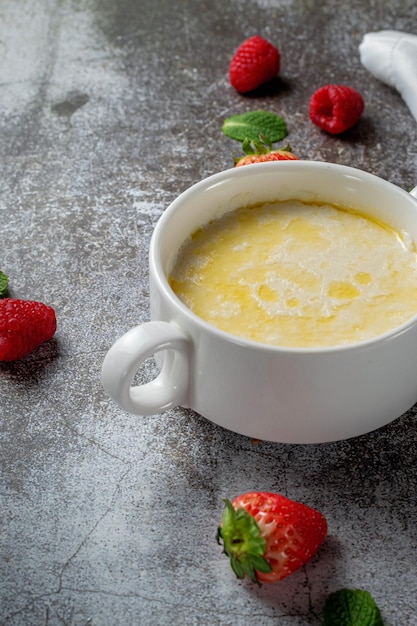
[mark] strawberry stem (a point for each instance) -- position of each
(262, 145)
(242, 542)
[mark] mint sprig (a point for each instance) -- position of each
(249, 126)
(4, 280)
(351, 607)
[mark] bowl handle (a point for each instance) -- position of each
(129, 352)
(413, 192)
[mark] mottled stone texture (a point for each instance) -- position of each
(108, 109)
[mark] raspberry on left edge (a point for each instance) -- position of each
(24, 325)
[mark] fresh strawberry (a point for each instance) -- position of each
(255, 62)
(261, 151)
(275, 155)
(335, 108)
(267, 536)
(24, 325)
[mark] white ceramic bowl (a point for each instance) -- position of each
(289, 395)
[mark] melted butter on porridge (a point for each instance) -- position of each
(297, 274)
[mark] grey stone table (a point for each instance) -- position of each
(109, 109)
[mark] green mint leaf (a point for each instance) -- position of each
(351, 607)
(3, 284)
(248, 126)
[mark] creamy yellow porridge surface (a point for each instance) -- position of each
(295, 274)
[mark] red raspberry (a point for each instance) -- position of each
(24, 325)
(335, 108)
(255, 62)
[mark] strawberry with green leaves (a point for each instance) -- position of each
(268, 536)
(260, 151)
(258, 130)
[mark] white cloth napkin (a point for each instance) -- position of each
(391, 56)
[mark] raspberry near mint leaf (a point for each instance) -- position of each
(24, 325)
(255, 62)
(335, 108)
